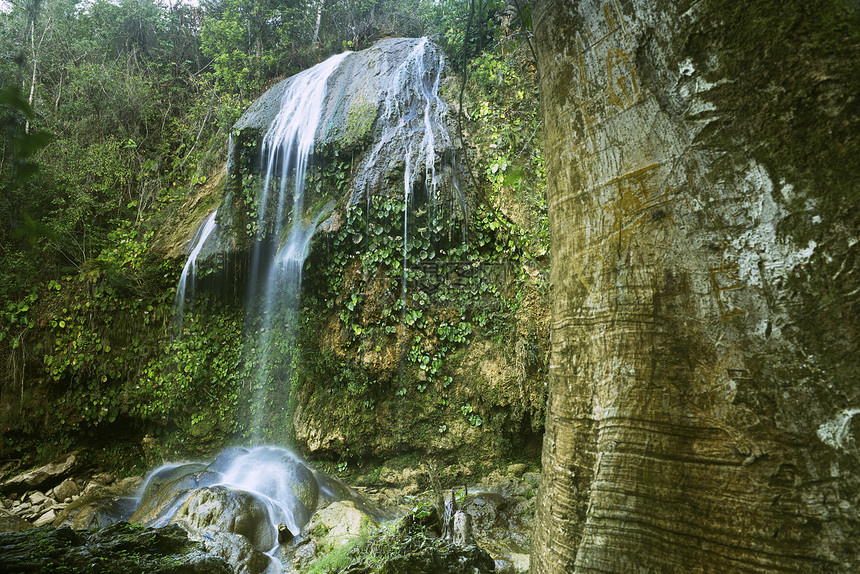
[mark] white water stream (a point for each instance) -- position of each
(286, 151)
(412, 127)
(189, 271)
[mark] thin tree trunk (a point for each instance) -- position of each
(702, 182)
(320, 7)
(32, 95)
(59, 93)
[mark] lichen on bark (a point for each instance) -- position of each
(703, 210)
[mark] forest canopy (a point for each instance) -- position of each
(136, 98)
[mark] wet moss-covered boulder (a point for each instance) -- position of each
(413, 545)
(120, 548)
(221, 509)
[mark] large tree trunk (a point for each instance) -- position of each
(703, 175)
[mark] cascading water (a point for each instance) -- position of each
(286, 151)
(189, 271)
(410, 127)
(255, 492)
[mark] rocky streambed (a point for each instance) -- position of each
(261, 510)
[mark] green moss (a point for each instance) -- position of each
(786, 86)
(359, 124)
(338, 559)
(792, 75)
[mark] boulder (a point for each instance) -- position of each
(36, 498)
(274, 473)
(338, 524)
(127, 485)
(332, 490)
(66, 489)
(118, 549)
(235, 550)
(221, 509)
(46, 518)
(502, 524)
(377, 104)
(161, 499)
(42, 477)
(97, 512)
(12, 523)
(167, 474)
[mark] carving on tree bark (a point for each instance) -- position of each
(703, 190)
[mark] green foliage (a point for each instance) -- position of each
(425, 296)
(448, 22)
(20, 143)
(504, 92)
(140, 98)
(199, 371)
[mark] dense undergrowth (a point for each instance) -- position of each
(117, 116)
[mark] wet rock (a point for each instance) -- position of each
(284, 534)
(127, 485)
(97, 512)
(226, 458)
(373, 109)
(278, 474)
(42, 477)
(297, 558)
(10, 522)
(502, 524)
(160, 500)
(167, 474)
(235, 550)
(226, 510)
(338, 524)
(120, 548)
(333, 490)
(46, 518)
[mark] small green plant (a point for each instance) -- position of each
(470, 414)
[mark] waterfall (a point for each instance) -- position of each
(286, 152)
(189, 271)
(409, 130)
(412, 126)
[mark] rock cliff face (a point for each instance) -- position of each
(381, 119)
(412, 324)
(703, 190)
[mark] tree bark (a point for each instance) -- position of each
(320, 7)
(703, 191)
